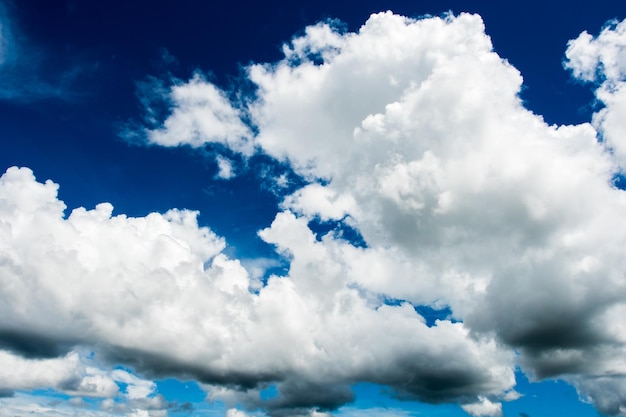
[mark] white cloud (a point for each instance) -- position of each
(18, 373)
(603, 59)
(137, 290)
(224, 168)
(79, 376)
(233, 412)
(317, 200)
(484, 408)
(136, 388)
(309, 113)
(201, 114)
(73, 374)
(464, 197)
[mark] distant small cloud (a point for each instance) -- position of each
(5, 36)
(185, 407)
(4, 43)
(483, 408)
(225, 168)
(201, 113)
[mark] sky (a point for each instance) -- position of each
(272, 209)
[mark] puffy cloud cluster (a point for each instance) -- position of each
(202, 114)
(599, 58)
(22, 374)
(158, 294)
(79, 376)
(484, 408)
(465, 199)
(602, 59)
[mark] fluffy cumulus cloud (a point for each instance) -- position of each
(225, 168)
(412, 133)
(158, 294)
(78, 375)
(602, 60)
(465, 198)
(484, 408)
(66, 372)
(202, 114)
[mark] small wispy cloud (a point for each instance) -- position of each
(225, 169)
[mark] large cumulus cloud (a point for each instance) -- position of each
(464, 197)
(157, 293)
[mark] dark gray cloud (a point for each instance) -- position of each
(32, 344)
(154, 365)
(6, 393)
(296, 397)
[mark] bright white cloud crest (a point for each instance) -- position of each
(464, 198)
(603, 59)
(203, 114)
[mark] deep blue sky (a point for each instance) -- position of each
(73, 86)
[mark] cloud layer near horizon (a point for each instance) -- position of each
(464, 198)
(157, 294)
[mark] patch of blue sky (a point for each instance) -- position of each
(430, 313)
(546, 398)
(377, 400)
(269, 392)
(49, 393)
(181, 391)
(339, 229)
(619, 180)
